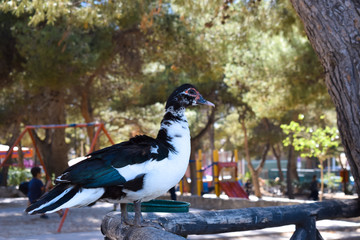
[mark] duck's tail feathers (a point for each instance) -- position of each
(65, 196)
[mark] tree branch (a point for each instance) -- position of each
(210, 121)
(263, 157)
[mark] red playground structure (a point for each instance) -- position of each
(231, 188)
(226, 171)
(28, 129)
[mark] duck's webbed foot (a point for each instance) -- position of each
(138, 219)
(124, 215)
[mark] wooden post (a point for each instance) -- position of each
(306, 230)
(304, 216)
(114, 230)
(199, 173)
(181, 186)
(216, 172)
(236, 158)
(150, 233)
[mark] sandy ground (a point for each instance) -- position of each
(15, 223)
(84, 223)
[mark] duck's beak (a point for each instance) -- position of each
(201, 100)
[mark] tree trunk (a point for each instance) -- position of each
(195, 144)
(289, 174)
(53, 148)
(192, 166)
(321, 178)
(261, 166)
(5, 173)
(333, 30)
(15, 132)
(255, 182)
(277, 153)
(254, 172)
(263, 158)
(20, 156)
(87, 112)
(212, 141)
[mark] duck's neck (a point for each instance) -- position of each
(174, 126)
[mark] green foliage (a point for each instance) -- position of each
(318, 142)
(247, 176)
(332, 182)
(250, 58)
(17, 175)
(59, 56)
(10, 60)
(135, 121)
(78, 13)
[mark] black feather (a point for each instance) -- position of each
(99, 169)
(135, 184)
(173, 101)
(113, 192)
(48, 197)
(61, 201)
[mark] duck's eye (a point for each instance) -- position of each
(191, 91)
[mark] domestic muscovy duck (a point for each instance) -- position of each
(137, 170)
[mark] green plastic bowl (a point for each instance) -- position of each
(161, 206)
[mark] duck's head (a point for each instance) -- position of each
(186, 95)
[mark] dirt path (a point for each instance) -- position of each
(14, 223)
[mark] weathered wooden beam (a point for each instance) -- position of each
(148, 233)
(220, 221)
(306, 230)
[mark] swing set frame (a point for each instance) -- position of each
(28, 129)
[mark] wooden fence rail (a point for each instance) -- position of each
(304, 216)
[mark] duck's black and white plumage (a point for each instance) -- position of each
(140, 169)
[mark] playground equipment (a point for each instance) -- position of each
(53, 126)
(29, 128)
(220, 176)
(28, 152)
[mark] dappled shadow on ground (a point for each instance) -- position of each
(15, 223)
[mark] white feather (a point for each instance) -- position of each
(77, 160)
(130, 172)
(162, 175)
(154, 149)
(52, 200)
(83, 197)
